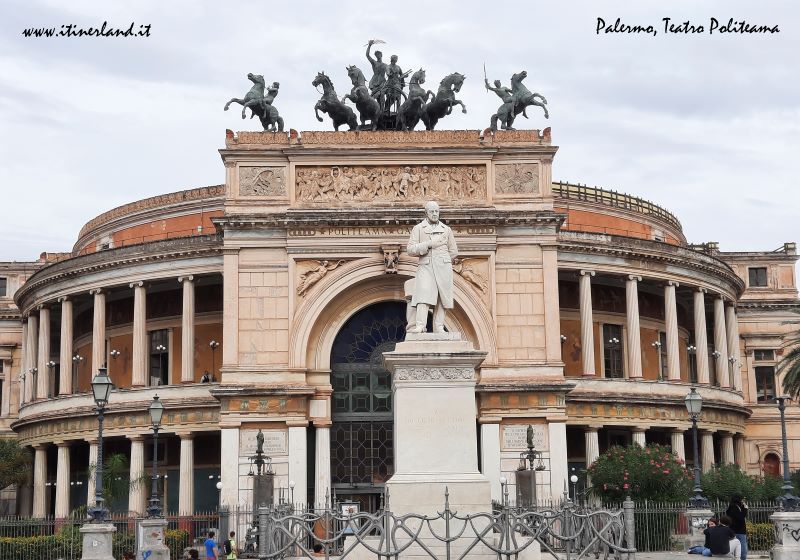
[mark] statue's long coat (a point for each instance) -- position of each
(435, 272)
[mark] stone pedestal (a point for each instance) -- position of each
(97, 541)
(435, 432)
(698, 518)
(787, 535)
(151, 539)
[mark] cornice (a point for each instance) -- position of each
(512, 387)
(299, 218)
(630, 248)
(155, 251)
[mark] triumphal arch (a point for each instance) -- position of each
(314, 230)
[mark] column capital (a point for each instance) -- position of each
(701, 290)
(591, 428)
(185, 435)
(39, 446)
(322, 422)
(41, 306)
(95, 291)
(135, 437)
(678, 430)
(297, 423)
(587, 273)
(189, 278)
(674, 283)
(633, 277)
(62, 299)
(638, 430)
(139, 284)
(63, 443)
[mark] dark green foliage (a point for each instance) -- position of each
(722, 481)
(15, 463)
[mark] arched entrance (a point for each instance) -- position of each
(362, 454)
(772, 465)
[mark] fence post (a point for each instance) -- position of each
(630, 525)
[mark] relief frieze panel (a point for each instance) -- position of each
(450, 184)
(262, 181)
(516, 179)
(310, 272)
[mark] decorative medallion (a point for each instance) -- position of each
(262, 181)
(517, 178)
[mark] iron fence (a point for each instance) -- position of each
(666, 527)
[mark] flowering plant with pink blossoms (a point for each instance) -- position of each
(649, 473)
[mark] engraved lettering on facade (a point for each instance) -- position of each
(515, 436)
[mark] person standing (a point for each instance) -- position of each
(230, 544)
(737, 511)
(211, 547)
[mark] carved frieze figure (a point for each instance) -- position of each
(261, 105)
(391, 254)
(311, 277)
(463, 269)
(517, 178)
(329, 103)
(261, 181)
(433, 242)
(515, 100)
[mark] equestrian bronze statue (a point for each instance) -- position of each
(261, 105)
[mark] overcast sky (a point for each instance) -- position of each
(706, 125)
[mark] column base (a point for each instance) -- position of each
(97, 541)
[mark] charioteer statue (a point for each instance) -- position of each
(261, 105)
(516, 99)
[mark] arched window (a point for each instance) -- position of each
(772, 465)
(362, 454)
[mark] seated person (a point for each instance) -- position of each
(704, 549)
(722, 541)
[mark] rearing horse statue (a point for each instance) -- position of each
(329, 103)
(410, 111)
(522, 98)
(368, 107)
(260, 105)
(442, 104)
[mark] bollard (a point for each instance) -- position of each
(630, 526)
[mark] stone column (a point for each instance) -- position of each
(62, 481)
(139, 376)
(700, 338)
(634, 345)
(187, 330)
(24, 367)
(490, 457)
(739, 452)
(186, 490)
(39, 480)
(322, 463)
(721, 343)
(98, 331)
(65, 354)
(592, 444)
(92, 463)
(33, 352)
(552, 323)
(677, 443)
(639, 437)
(137, 494)
(707, 449)
(559, 467)
(5, 397)
(726, 449)
(43, 379)
(734, 351)
(671, 314)
(298, 470)
(587, 327)
(229, 467)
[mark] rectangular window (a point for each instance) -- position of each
(159, 357)
(693, 366)
(765, 384)
(764, 355)
(3, 287)
(612, 351)
(662, 356)
(757, 277)
(2, 365)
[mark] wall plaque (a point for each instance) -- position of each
(274, 442)
(515, 437)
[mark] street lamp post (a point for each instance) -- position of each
(694, 405)
(789, 501)
(101, 389)
(156, 410)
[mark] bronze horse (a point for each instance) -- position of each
(442, 104)
(368, 107)
(523, 98)
(259, 105)
(329, 103)
(410, 111)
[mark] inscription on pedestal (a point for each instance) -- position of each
(515, 437)
(274, 442)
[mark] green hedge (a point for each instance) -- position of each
(760, 536)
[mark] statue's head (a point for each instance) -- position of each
(394, 59)
(407, 169)
(497, 83)
(275, 85)
(432, 211)
(378, 55)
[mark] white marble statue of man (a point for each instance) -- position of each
(434, 244)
